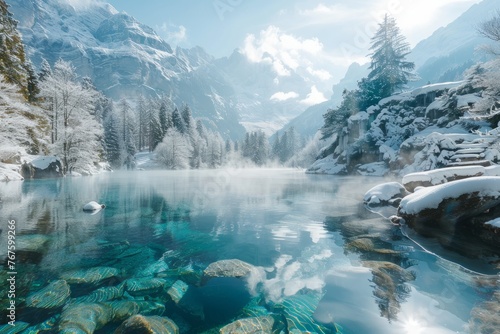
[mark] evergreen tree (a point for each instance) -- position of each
(162, 116)
(13, 60)
(178, 122)
(112, 140)
(45, 70)
(187, 117)
(32, 83)
(390, 70)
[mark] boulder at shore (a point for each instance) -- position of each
(444, 205)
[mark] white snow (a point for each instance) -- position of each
(494, 222)
(464, 100)
(384, 192)
(435, 87)
(439, 176)
(10, 173)
(42, 162)
(431, 197)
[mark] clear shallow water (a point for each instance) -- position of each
(320, 255)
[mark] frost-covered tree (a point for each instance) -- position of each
(389, 69)
(76, 134)
(174, 151)
(491, 30)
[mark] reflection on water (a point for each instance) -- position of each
(322, 263)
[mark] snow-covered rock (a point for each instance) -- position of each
(444, 175)
(42, 167)
(444, 205)
(384, 194)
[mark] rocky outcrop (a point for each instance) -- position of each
(42, 168)
(410, 132)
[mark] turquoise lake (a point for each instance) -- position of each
(323, 262)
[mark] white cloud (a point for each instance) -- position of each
(171, 33)
(282, 96)
(314, 97)
(285, 52)
(323, 75)
(335, 12)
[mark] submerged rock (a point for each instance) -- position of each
(255, 325)
(52, 296)
(92, 276)
(485, 318)
(35, 243)
(102, 295)
(123, 309)
(186, 298)
(138, 287)
(228, 268)
(139, 324)
(85, 318)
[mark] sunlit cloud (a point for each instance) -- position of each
(314, 97)
(171, 33)
(282, 96)
(285, 52)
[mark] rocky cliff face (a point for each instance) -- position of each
(427, 128)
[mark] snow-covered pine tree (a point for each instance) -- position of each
(178, 121)
(112, 138)
(390, 70)
(128, 134)
(13, 64)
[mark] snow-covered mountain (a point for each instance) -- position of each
(450, 50)
(125, 58)
(443, 56)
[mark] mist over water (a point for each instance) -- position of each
(297, 230)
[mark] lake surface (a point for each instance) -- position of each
(322, 261)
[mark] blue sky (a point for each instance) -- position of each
(331, 33)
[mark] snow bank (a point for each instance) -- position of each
(383, 193)
(431, 197)
(328, 165)
(10, 173)
(42, 162)
(444, 175)
(436, 87)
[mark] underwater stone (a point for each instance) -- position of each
(228, 268)
(101, 295)
(52, 296)
(85, 318)
(186, 299)
(144, 286)
(139, 324)
(255, 325)
(153, 269)
(89, 276)
(31, 243)
(150, 308)
(18, 328)
(123, 309)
